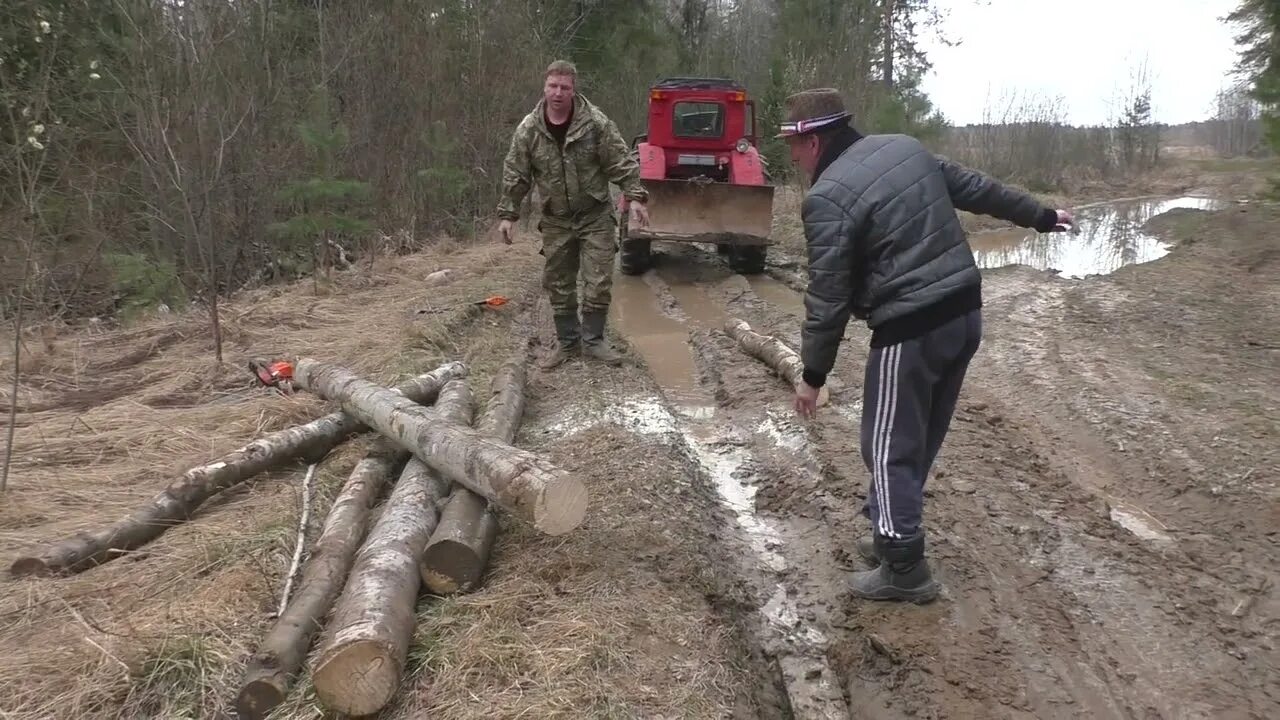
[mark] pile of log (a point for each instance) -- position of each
(360, 585)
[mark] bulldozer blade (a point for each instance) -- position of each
(708, 212)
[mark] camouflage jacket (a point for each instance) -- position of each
(576, 179)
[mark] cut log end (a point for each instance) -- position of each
(562, 506)
(30, 567)
(457, 563)
(358, 678)
(455, 559)
(259, 696)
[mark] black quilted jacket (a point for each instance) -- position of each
(885, 244)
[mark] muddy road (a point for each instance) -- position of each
(1107, 542)
(1103, 516)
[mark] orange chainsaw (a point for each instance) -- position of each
(494, 301)
(278, 374)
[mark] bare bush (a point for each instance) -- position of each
(1025, 138)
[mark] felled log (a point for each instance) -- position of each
(455, 557)
(275, 665)
(176, 503)
(772, 352)
(518, 481)
(362, 654)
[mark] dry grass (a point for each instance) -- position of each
(607, 622)
(612, 621)
(123, 411)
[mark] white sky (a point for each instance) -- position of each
(1081, 51)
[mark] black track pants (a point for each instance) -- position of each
(909, 396)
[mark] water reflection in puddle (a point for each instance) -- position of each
(1107, 238)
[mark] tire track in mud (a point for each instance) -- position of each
(1187, 588)
(1061, 604)
(672, 330)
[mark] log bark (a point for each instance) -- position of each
(361, 657)
(772, 352)
(176, 503)
(520, 482)
(274, 667)
(456, 556)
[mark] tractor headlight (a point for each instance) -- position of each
(743, 145)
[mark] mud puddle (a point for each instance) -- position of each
(691, 302)
(663, 342)
(1107, 237)
(646, 316)
(774, 292)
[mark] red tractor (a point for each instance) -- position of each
(706, 180)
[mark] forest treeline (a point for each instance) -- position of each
(157, 152)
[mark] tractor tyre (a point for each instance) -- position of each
(748, 259)
(635, 257)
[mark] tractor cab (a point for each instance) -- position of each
(707, 181)
(701, 121)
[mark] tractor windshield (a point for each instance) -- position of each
(698, 120)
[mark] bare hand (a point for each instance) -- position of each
(806, 402)
(505, 230)
(1065, 220)
(639, 214)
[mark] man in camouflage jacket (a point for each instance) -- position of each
(572, 151)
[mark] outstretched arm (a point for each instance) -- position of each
(977, 193)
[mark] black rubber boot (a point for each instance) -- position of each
(866, 548)
(593, 341)
(567, 338)
(903, 573)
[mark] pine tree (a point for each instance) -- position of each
(323, 204)
(1260, 61)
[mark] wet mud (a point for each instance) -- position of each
(1079, 580)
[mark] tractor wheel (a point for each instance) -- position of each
(748, 259)
(635, 257)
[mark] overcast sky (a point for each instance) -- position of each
(1082, 51)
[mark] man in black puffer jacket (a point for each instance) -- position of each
(885, 245)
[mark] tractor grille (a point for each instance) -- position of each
(708, 160)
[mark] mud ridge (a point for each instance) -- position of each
(736, 453)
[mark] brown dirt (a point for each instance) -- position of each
(1103, 515)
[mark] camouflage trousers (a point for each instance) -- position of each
(584, 246)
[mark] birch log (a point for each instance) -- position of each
(361, 657)
(275, 665)
(518, 481)
(176, 503)
(456, 556)
(772, 352)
